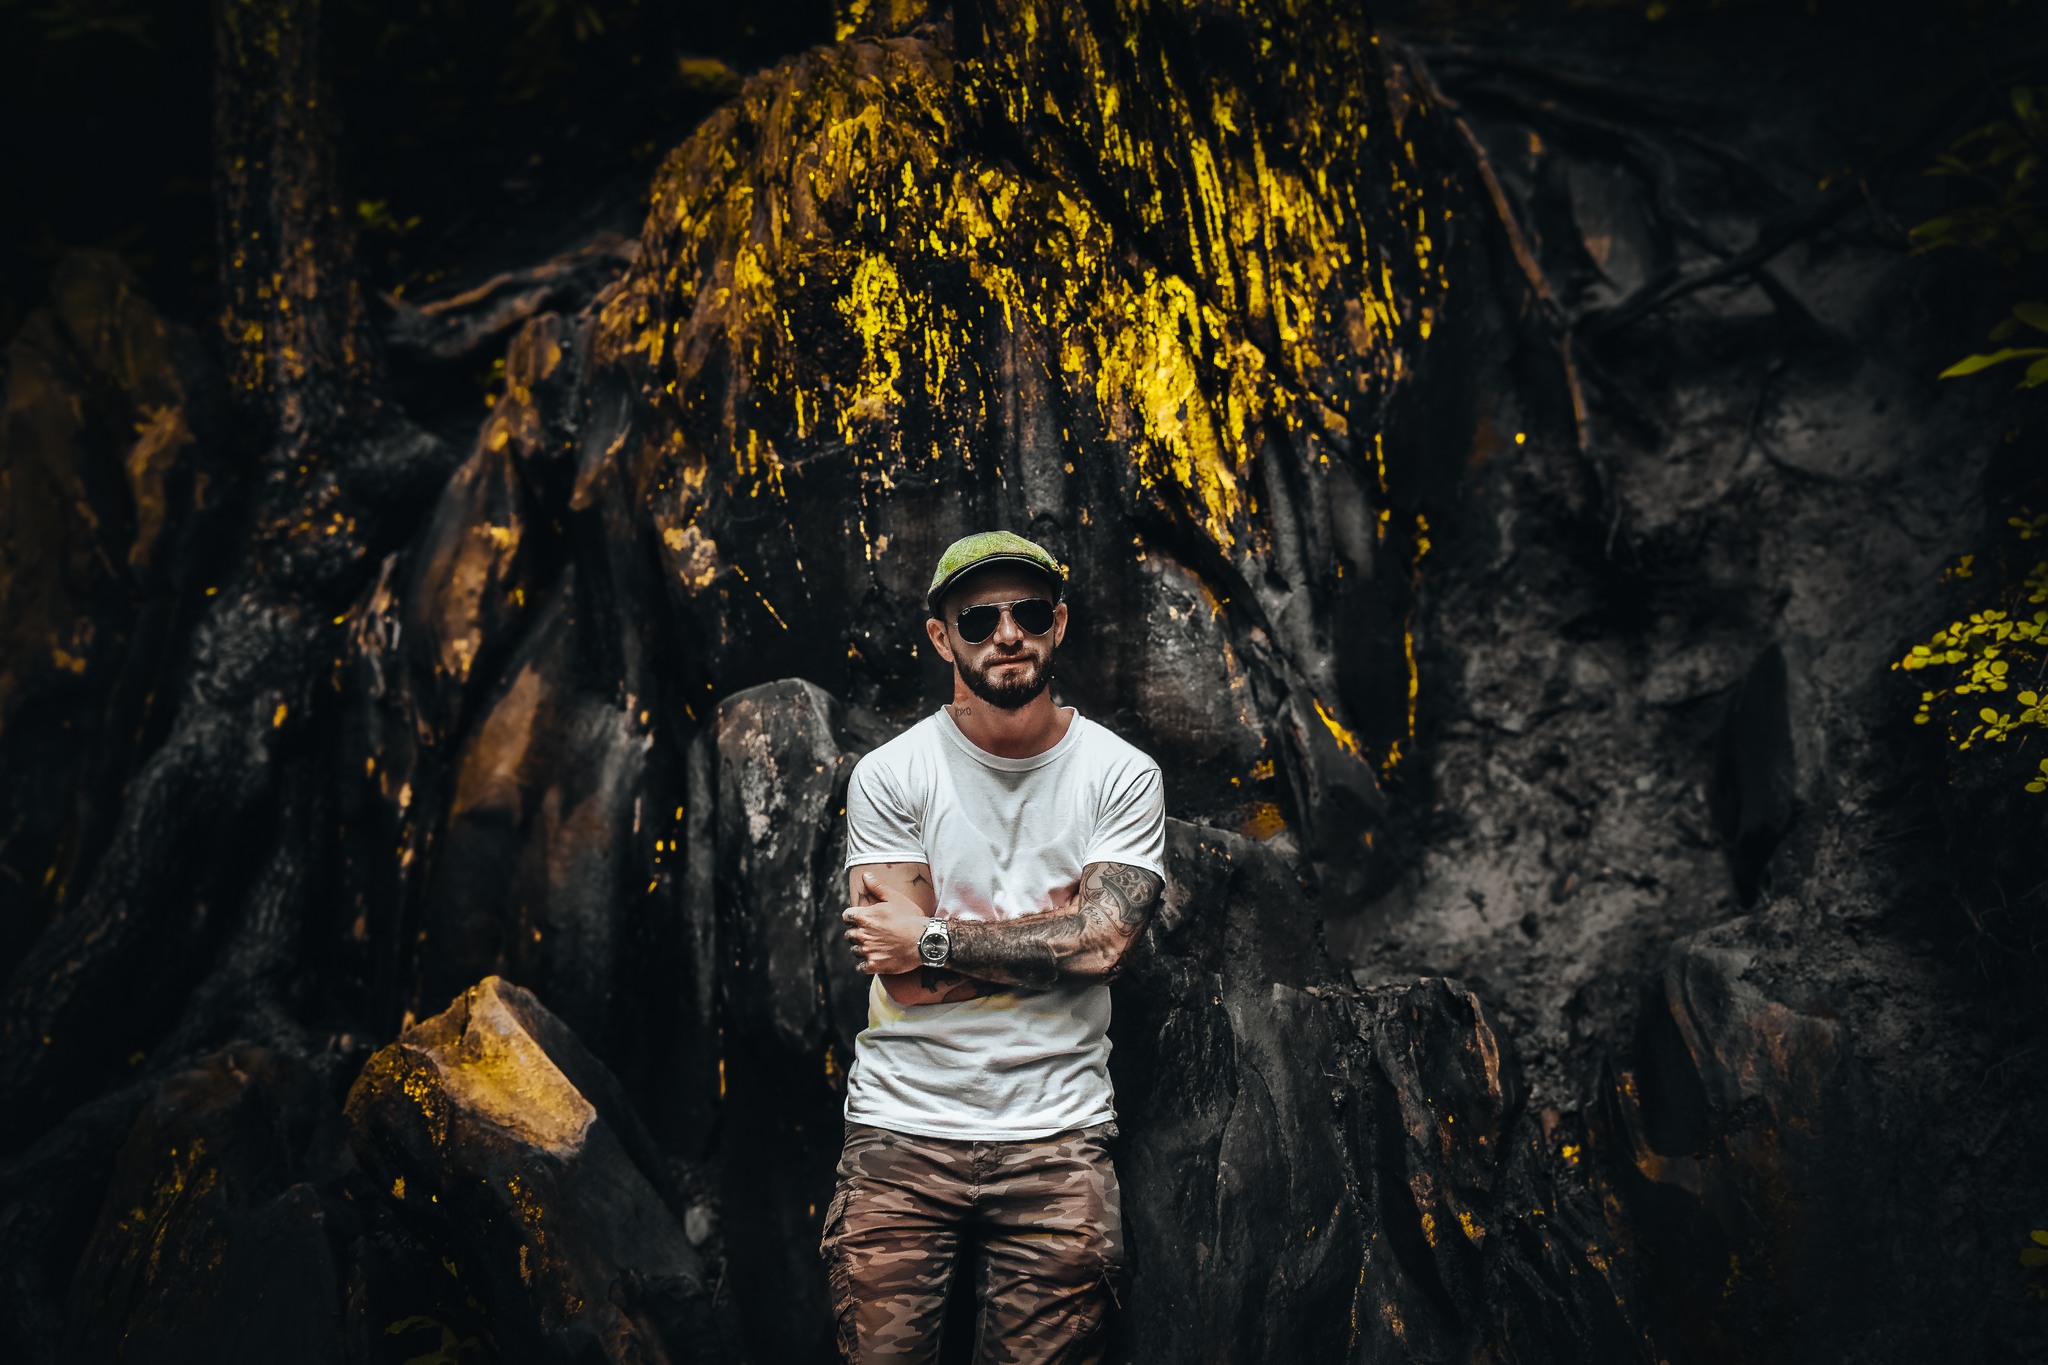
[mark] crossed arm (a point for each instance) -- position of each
(1084, 940)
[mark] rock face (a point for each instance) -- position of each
(508, 1145)
(1749, 1122)
(1514, 649)
(1049, 268)
(218, 1238)
(1308, 1172)
(109, 452)
(789, 1002)
(1312, 1173)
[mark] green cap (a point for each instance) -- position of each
(984, 548)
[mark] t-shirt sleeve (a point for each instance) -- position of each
(1131, 828)
(881, 827)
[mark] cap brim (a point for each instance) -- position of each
(931, 599)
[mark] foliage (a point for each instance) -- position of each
(1996, 658)
(2002, 159)
(1983, 650)
(2033, 1258)
(2034, 314)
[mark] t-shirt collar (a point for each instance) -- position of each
(952, 731)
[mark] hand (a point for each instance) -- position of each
(884, 934)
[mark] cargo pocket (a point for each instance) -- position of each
(835, 1217)
(838, 1281)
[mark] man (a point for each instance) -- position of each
(1002, 856)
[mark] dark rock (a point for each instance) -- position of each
(791, 1001)
(1756, 773)
(1752, 1164)
(538, 870)
(1239, 1189)
(456, 326)
(1312, 1174)
(782, 774)
(1493, 1222)
(496, 1136)
(109, 454)
(831, 372)
(216, 1241)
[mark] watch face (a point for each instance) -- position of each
(933, 951)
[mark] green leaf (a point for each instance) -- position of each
(2034, 313)
(2037, 374)
(2034, 1256)
(1970, 364)
(2040, 1235)
(2023, 102)
(1934, 230)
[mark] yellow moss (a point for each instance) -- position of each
(494, 1070)
(830, 268)
(874, 306)
(1346, 741)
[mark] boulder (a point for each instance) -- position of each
(499, 1139)
(216, 1241)
(790, 1001)
(1755, 1158)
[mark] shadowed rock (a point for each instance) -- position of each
(1309, 1173)
(108, 447)
(215, 1241)
(1756, 1157)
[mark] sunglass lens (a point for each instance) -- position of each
(1034, 617)
(978, 623)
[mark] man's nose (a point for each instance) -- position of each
(1006, 630)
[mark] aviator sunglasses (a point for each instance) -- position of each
(1033, 616)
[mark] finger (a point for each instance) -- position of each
(851, 914)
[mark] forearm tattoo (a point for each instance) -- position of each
(1084, 942)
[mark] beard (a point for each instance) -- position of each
(1012, 692)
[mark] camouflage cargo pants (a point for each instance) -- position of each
(1044, 1213)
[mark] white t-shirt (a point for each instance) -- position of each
(1003, 837)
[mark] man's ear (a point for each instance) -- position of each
(936, 630)
(1059, 623)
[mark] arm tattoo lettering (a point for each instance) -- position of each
(1084, 942)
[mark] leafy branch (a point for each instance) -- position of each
(2001, 649)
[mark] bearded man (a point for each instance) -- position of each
(1002, 856)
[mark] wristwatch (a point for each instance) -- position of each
(935, 944)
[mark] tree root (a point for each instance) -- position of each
(1773, 239)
